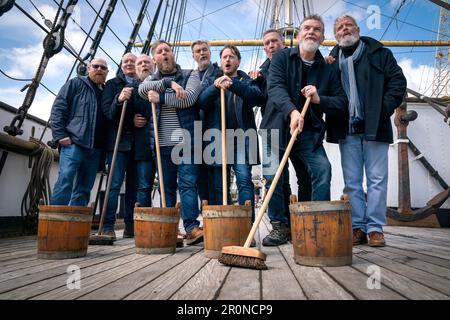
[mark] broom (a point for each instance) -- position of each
(99, 239)
(245, 256)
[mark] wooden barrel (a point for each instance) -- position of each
(63, 231)
(322, 233)
(225, 226)
(156, 229)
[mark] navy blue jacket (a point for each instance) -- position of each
(112, 110)
(74, 112)
(247, 94)
(284, 84)
(139, 140)
(383, 85)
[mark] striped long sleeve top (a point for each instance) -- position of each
(169, 127)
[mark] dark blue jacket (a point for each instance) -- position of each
(247, 94)
(383, 85)
(139, 140)
(207, 80)
(112, 110)
(284, 85)
(74, 112)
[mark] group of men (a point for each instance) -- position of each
(353, 94)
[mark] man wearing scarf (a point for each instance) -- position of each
(375, 87)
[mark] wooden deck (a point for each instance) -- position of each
(414, 265)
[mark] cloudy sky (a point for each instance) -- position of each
(21, 40)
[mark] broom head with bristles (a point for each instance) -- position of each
(243, 257)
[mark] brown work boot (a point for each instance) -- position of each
(359, 237)
(194, 236)
(376, 239)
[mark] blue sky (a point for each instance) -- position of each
(21, 41)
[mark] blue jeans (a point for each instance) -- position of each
(187, 175)
(357, 156)
(246, 188)
(78, 168)
(319, 169)
(124, 164)
(145, 178)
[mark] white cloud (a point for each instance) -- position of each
(419, 77)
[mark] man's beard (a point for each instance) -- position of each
(309, 47)
(203, 64)
(167, 66)
(348, 40)
(98, 79)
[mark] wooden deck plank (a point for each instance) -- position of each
(435, 282)
(121, 288)
(278, 282)
(241, 284)
(401, 284)
(204, 285)
(54, 264)
(163, 287)
(47, 285)
(95, 258)
(419, 243)
(356, 282)
(422, 257)
(313, 280)
(419, 248)
(279, 273)
(413, 262)
(99, 280)
(430, 234)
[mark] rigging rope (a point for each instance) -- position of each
(137, 26)
(86, 39)
(151, 32)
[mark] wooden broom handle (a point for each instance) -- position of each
(158, 156)
(275, 180)
(112, 166)
(224, 147)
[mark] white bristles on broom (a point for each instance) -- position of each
(245, 256)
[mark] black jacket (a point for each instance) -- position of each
(112, 110)
(383, 86)
(283, 86)
(261, 81)
(138, 140)
(247, 96)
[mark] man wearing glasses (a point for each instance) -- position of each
(78, 126)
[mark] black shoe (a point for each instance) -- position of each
(128, 233)
(277, 236)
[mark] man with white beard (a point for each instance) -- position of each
(375, 87)
(295, 74)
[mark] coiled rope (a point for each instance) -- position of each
(39, 185)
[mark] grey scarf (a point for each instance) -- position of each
(356, 106)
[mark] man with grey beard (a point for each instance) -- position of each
(295, 74)
(375, 87)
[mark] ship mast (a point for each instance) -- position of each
(441, 66)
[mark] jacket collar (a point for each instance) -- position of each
(372, 45)
(296, 52)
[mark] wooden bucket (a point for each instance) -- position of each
(322, 233)
(225, 226)
(156, 229)
(63, 231)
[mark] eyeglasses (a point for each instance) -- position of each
(99, 66)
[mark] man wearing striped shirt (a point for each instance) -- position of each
(175, 91)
